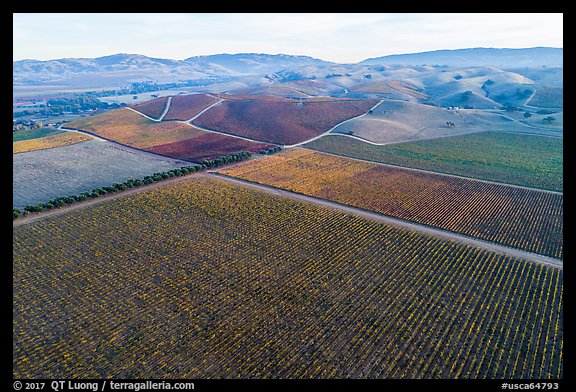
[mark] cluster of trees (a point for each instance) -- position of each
(148, 86)
(271, 150)
(75, 104)
(518, 95)
(466, 95)
(26, 125)
(484, 87)
(78, 103)
(545, 111)
(510, 107)
(547, 119)
(131, 183)
(24, 113)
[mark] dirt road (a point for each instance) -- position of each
(548, 261)
(334, 127)
(166, 108)
(126, 147)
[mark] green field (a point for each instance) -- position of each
(33, 133)
(527, 160)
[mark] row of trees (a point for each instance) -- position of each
(131, 183)
(271, 150)
(230, 158)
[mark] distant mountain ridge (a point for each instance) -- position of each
(498, 57)
(256, 62)
(220, 64)
(133, 66)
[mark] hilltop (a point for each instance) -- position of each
(279, 66)
(500, 57)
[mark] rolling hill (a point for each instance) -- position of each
(484, 78)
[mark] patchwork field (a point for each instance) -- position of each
(520, 218)
(203, 279)
(184, 107)
(280, 121)
(526, 160)
(50, 141)
(39, 176)
(191, 230)
(171, 138)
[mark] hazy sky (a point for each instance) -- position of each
(338, 37)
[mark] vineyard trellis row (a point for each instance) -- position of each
(207, 279)
(520, 218)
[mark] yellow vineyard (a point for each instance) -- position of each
(50, 141)
(204, 279)
(512, 216)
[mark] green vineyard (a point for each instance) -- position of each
(205, 279)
